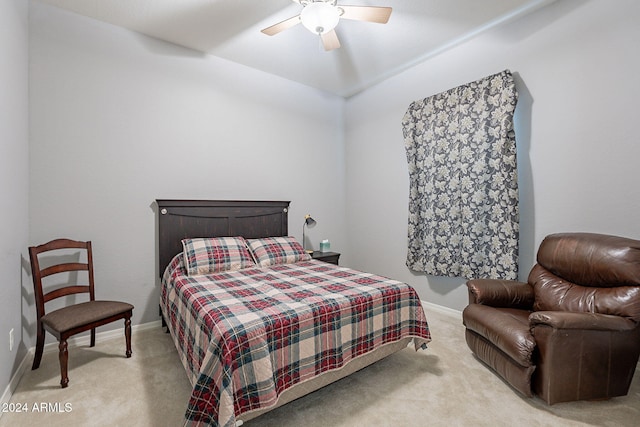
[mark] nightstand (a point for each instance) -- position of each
(330, 257)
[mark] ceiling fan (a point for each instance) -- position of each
(322, 16)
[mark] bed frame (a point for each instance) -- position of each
(180, 219)
(183, 219)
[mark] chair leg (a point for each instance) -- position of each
(127, 335)
(63, 355)
(93, 338)
(39, 348)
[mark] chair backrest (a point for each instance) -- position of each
(587, 272)
(62, 266)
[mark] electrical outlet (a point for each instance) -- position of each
(11, 340)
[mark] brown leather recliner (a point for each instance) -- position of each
(573, 331)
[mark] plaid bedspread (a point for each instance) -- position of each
(246, 336)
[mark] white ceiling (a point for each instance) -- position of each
(230, 29)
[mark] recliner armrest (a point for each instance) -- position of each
(583, 356)
(584, 321)
(501, 293)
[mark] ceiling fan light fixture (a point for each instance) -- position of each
(320, 17)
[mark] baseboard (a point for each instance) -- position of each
(15, 379)
(73, 342)
(429, 306)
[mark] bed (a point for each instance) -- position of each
(254, 334)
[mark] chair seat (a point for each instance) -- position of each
(68, 318)
(506, 328)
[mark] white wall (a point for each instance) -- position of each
(119, 120)
(14, 168)
(577, 67)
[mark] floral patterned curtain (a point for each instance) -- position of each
(463, 201)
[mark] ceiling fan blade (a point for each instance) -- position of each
(376, 14)
(281, 26)
(330, 40)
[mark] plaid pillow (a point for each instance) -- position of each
(277, 250)
(211, 255)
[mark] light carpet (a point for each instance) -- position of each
(442, 386)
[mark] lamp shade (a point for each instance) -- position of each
(308, 221)
(320, 17)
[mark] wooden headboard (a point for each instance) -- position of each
(181, 219)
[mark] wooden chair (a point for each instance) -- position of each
(71, 319)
